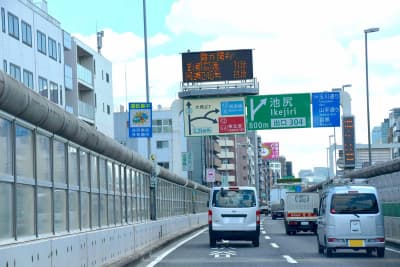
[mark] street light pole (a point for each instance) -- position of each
(366, 79)
(330, 161)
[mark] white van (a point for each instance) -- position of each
(350, 217)
(234, 214)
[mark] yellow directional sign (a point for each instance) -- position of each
(214, 116)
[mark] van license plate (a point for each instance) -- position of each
(304, 223)
(355, 226)
(356, 243)
(233, 220)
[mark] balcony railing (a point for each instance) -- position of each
(85, 110)
(227, 167)
(226, 155)
(85, 75)
(225, 142)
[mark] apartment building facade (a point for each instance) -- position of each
(36, 51)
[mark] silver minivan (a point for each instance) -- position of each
(234, 214)
(350, 217)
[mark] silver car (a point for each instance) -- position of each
(350, 217)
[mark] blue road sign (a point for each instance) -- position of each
(232, 108)
(140, 120)
(326, 109)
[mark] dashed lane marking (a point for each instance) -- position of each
(289, 259)
(274, 245)
(267, 237)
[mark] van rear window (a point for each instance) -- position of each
(234, 198)
(362, 203)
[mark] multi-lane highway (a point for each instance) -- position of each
(276, 249)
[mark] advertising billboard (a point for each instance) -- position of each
(270, 151)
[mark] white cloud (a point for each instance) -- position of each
(159, 39)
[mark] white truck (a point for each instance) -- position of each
(301, 211)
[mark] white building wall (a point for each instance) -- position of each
(177, 142)
(27, 57)
(104, 119)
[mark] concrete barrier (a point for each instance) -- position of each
(109, 247)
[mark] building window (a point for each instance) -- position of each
(108, 109)
(67, 41)
(41, 42)
(3, 20)
(13, 25)
(107, 78)
(15, 72)
(162, 126)
(26, 33)
(162, 144)
(54, 92)
(68, 77)
(43, 89)
(5, 65)
(28, 79)
(52, 49)
(61, 95)
(59, 52)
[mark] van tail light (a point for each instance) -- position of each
(258, 217)
(209, 216)
(331, 239)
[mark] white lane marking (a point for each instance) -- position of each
(221, 252)
(267, 237)
(263, 232)
(393, 250)
(289, 259)
(162, 256)
(274, 245)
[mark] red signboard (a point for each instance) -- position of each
(270, 150)
(231, 124)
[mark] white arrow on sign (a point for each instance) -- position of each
(253, 110)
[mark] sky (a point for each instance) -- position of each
(298, 47)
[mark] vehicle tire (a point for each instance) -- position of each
(369, 252)
(380, 252)
(329, 252)
(256, 242)
(213, 241)
(321, 249)
(273, 217)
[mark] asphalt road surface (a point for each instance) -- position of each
(276, 249)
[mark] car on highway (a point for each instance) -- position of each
(234, 214)
(350, 217)
(265, 209)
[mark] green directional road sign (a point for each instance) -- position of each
(278, 111)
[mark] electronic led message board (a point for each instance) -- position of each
(217, 65)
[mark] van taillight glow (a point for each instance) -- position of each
(258, 216)
(209, 216)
